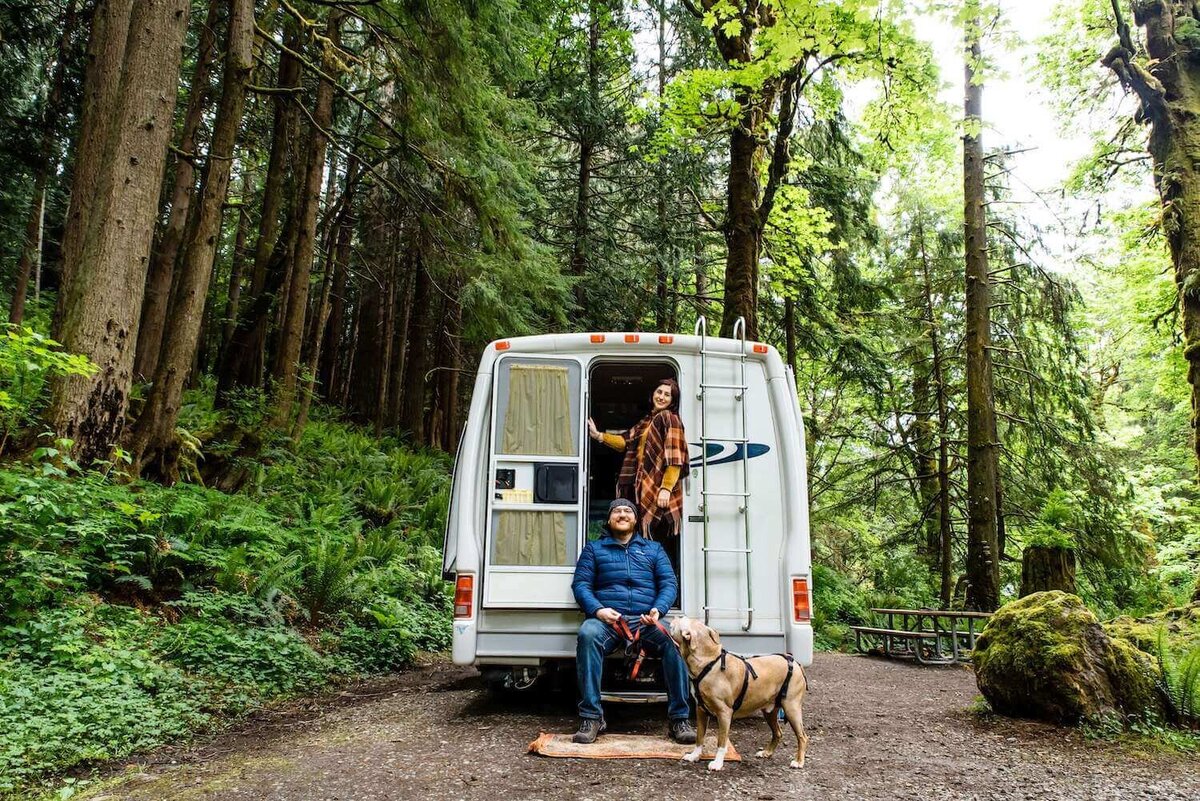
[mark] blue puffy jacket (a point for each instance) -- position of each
(631, 578)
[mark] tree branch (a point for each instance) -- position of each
(780, 155)
(1132, 75)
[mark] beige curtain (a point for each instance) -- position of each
(538, 419)
(531, 538)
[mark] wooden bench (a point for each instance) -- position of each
(921, 645)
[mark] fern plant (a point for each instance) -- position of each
(1179, 680)
(329, 576)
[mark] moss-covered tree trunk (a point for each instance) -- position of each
(937, 379)
(154, 442)
(161, 272)
(743, 226)
(1047, 567)
(105, 282)
(1165, 75)
(588, 134)
(101, 92)
(983, 574)
(748, 201)
(291, 336)
(242, 359)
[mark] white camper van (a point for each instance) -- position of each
(530, 487)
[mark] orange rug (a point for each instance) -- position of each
(623, 746)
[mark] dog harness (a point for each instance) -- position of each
(749, 674)
(783, 688)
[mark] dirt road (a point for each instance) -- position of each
(879, 730)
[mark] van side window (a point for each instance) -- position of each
(538, 408)
(534, 538)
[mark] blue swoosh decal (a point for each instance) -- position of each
(752, 450)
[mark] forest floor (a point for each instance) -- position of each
(878, 729)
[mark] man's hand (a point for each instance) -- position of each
(609, 616)
(664, 498)
(650, 618)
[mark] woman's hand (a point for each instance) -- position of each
(593, 432)
(664, 498)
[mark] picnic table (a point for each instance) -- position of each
(931, 636)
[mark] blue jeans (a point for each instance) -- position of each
(598, 639)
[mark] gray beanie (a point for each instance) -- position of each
(621, 502)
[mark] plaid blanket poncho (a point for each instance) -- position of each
(666, 445)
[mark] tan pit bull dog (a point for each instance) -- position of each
(730, 686)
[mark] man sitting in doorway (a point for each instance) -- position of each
(624, 576)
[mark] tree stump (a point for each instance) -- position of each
(1047, 567)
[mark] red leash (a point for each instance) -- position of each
(633, 638)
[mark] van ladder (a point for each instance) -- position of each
(741, 441)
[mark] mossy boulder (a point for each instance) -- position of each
(1046, 656)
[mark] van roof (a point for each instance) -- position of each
(630, 342)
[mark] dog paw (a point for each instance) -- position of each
(796, 764)
(715, 765)
(692, 756)
(764, 754)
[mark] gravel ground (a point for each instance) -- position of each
(878, 729)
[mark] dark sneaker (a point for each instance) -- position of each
(590, 729)
(682, 731)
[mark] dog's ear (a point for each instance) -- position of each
(712, 635)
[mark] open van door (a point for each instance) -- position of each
(535, 506)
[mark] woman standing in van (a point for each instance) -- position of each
(656, 453)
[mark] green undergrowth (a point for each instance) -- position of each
(133, 615)
(1149, 737)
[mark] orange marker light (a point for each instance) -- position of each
(464, 596)
(503, 345)
(801, 601)
(597, 338)
(666, 339)
(631, 338)
(760, 348)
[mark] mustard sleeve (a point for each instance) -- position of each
(614, 441)
(670, 476)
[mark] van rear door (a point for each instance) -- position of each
(535, 504)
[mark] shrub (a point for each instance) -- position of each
(837, 604)
(375, 650)
(230, 638)
(27, 359)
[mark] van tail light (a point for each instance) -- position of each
(801, 601)
(464, 596)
